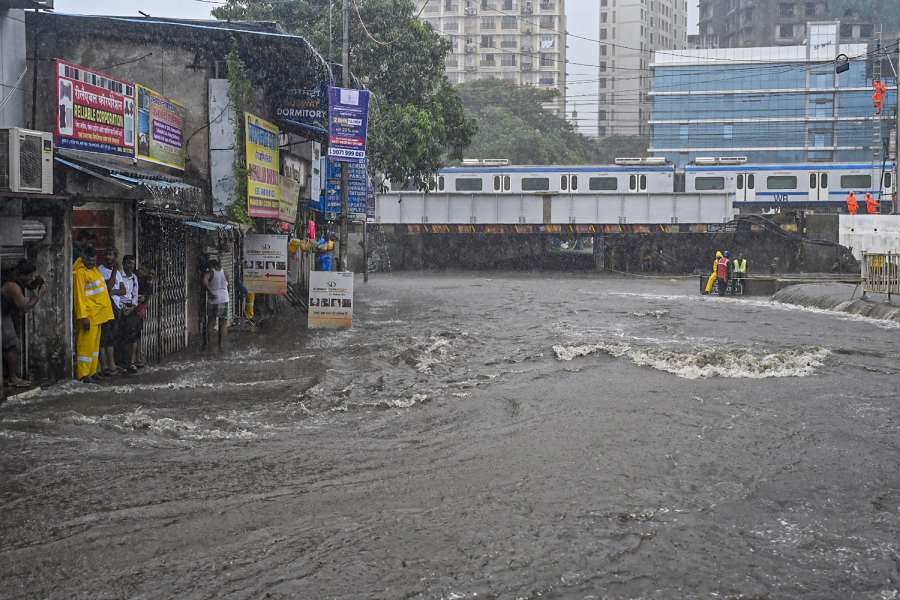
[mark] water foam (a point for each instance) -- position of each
(738, 363)
(142, 420)
(432, 355)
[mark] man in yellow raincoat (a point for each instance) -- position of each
(712, 278)
(93, 308)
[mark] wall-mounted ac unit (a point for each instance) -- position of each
(26, 161)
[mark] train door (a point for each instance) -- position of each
(569, 183)
(637, 182)
(502, 184)
(818, 187)
(745, 184)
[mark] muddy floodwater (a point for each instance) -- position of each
(476, 436)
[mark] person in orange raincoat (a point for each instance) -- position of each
(93, 308)
(878, 96)
(872, 205)
(852, 204)
(712, 278)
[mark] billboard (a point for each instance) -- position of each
(265, 263)
(263, 191)
(306, 106)
(330, 300)
(359, 189)
(94, 112)
(160, 129)
(348, 122)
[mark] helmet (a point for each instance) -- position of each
(726, 254)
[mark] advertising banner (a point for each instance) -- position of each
(359, 189)
(330, 300)
(265, 263)
(263, 191)
(348, 122)
(95, 112)
(160, 133)
(306, 106)
(288, 197)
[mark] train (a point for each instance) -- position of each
(784, 186)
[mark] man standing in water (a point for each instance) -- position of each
(93, 308)
(15, 303)
(217, 298)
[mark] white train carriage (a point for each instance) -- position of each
(807, 185)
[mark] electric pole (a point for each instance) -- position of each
(345, 171)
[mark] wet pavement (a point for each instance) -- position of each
(476, 436)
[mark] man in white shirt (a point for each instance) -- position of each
(116, 287)
(129, 331)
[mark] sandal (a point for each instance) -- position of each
(132, 369)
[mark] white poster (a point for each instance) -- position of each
(330, 300)
(265, 263)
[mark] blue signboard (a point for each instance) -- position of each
(348, 121)
(359, 189)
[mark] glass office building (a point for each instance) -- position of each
(773, 105)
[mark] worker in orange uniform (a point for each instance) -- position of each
(878, 96)
(93, 308)
(872, 205)
(852, 204)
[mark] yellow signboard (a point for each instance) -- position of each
(263, 191)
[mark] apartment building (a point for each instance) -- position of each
(630, 30)
(520, 41)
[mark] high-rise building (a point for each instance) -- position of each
(763, 23)
(775, 104)
(520, 41)
(630, 30)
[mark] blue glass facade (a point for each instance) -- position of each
(770, 112)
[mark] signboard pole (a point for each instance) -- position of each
(345, 174)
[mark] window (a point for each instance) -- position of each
(563, 183)
(508, 60)
(451, 25)
(810, 9)
(509, 23)
(603, 184)
(468, 184)
(547, 60)
(601, 115)
(854, 182)
(506, 183)
(441, 183)
(846, 30)
(497, 183)
(535, 184)
(604, 2)
(548, 42)
(602, 66)
(786, 30)
(643, 182)
(812, 181)
(751, 181)
(451, 6)
(740, 181)
(574, 182)
(709, 183)
(866, 31)
(781, 182)
(603, 17)
(488, 23)
(487, 41)
(548, 4)
(888, 179)
(548, 22)
(602, 49)
(509, 4)
(601, 83)
(547, 80)
(786, 10)
(488, 5)
(603, 33)
(823, 181)
(487, 60)
(509, 41)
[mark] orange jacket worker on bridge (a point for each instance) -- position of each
(878, 96)
(872, 205)
(852, 204)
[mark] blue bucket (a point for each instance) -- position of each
(326, 262)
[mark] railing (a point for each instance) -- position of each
(881, 274)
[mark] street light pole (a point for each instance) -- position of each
(345, 172)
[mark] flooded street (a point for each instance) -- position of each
(476, 436)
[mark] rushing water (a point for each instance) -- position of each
(499, 436)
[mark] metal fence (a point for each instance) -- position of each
(882, 274)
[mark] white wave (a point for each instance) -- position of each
(141, 420)
(434, 354)
(707, 362)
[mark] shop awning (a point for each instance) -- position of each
(210, 225)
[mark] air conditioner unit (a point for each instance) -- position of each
(628, 161)
(26, 161)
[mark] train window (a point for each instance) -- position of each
(563, 183)
(441, 183)
(643, 182)
(432, 184)
(812, 181)
(823, 180)
(496, 183)
(751, 181)
(468, 184)
(709, 183)
(781, 182)
(603, 184)
(574, 183)
(856, 181)
(507, 183)
(888, 180)
(535, 184)
(740, 181)
(632, 182)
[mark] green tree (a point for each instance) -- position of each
(417, 119)
(513, 123)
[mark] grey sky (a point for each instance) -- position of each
(185, 9)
